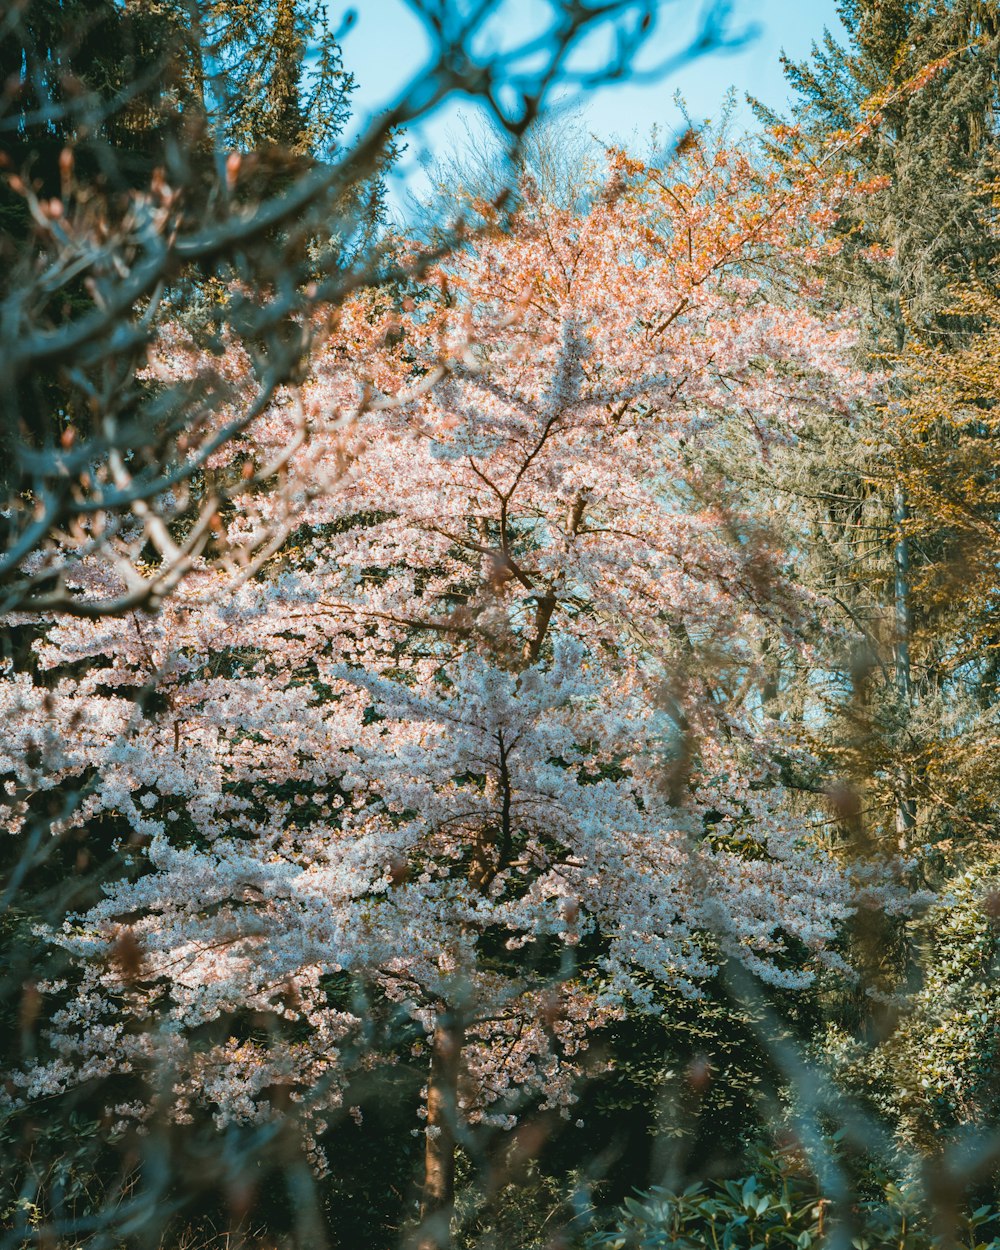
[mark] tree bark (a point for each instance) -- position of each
(438, 1201)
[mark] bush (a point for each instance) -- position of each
(778, 1207)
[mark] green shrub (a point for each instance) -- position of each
(781, 1209)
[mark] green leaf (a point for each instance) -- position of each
(636, 1208)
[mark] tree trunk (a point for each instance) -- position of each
(906, 818)
(438, 1201)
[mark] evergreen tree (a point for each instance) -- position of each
(930, 71)
(897, 508)
(916, 89)
(277, 76)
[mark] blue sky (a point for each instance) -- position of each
(386, 46)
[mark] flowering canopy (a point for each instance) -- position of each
(480, 740)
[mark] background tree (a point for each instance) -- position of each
(909, 711)
(924, 77)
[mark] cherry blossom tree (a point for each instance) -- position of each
(476, 762)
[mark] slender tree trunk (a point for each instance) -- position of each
(438, 1203)
(905, 807)
(906, 818)
(196, 53)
